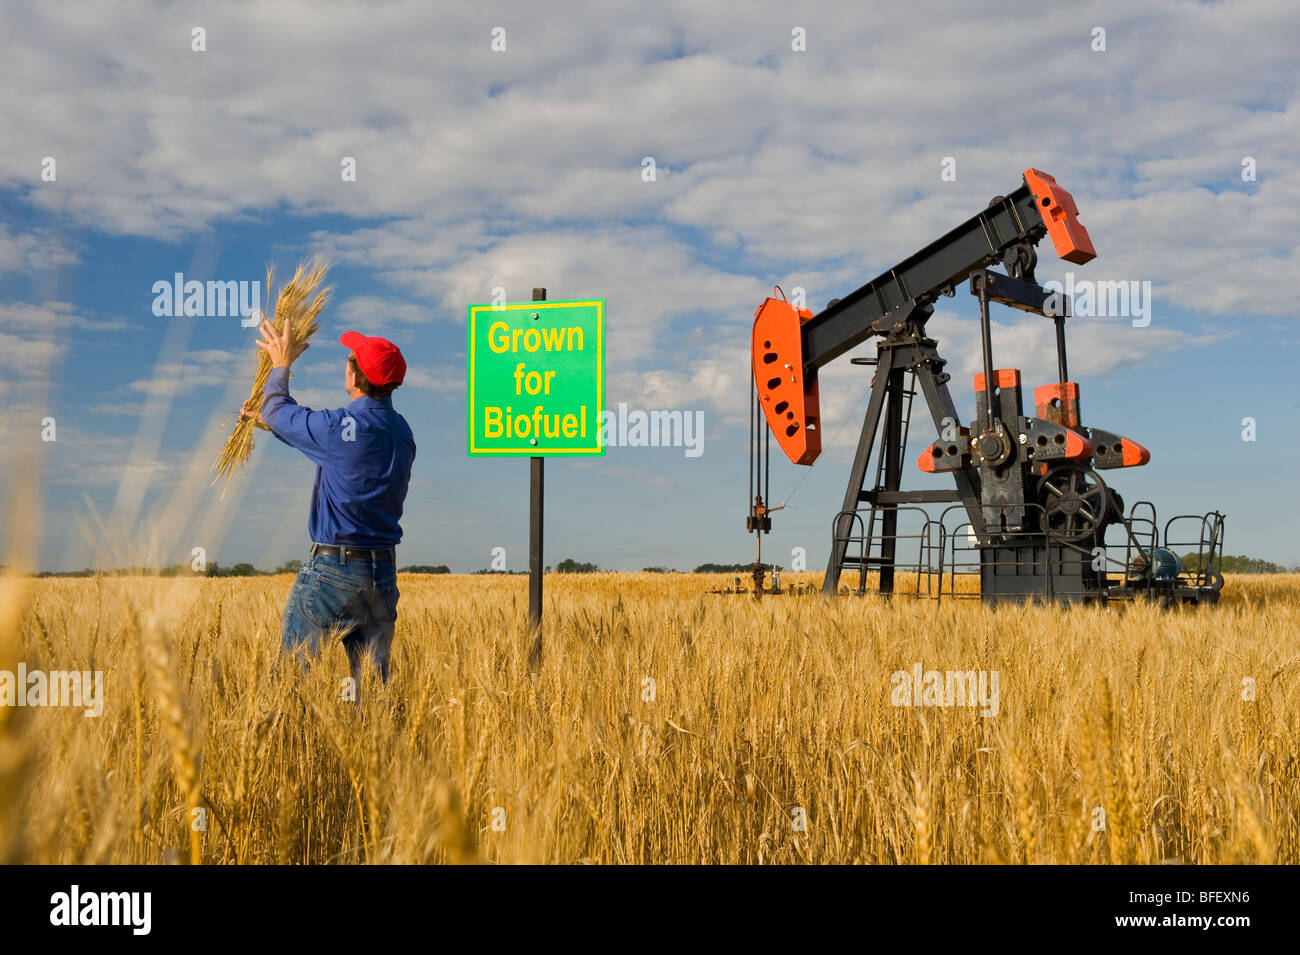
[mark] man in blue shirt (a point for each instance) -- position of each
(363, 455)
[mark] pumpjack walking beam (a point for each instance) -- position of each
(1008, 229)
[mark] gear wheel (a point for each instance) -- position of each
(1076, 503)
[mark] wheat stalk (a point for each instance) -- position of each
(921, 821)
(177, 728)
(453, 829)
(15, 754)
(301, 300)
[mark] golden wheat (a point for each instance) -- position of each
(1121, 736)
(300, 301)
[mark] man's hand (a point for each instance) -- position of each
(248, 411)
(280, 345)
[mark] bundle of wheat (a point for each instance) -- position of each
(301, 301)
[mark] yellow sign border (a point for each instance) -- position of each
(600, 374)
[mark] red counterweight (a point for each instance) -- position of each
(788, 396)
(1061, 216)
(1058, 403)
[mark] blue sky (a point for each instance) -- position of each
(478, 169)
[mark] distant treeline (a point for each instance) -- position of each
(566, 566)
(1238, 564)
(215, 569)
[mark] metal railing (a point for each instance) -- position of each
(872, 546)
(930, 561)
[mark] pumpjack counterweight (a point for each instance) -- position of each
(1032, 510)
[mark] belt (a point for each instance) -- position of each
(343, 553)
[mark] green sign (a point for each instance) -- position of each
(536, 383)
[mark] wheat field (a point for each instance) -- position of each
(667, 724)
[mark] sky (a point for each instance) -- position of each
(506, 146)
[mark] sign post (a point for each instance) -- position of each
(536, 499)
(535, 387)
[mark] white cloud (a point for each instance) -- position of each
(447, 380)
(201, 368)
(29, 358)
(183, 374)
(33, 250)
(53, 317)
(804, 158)
(375, 315)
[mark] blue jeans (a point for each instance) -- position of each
(355, 599)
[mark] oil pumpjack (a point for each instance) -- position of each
(1029, 513)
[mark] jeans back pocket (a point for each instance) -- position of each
(333, 602)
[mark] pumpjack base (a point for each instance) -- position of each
(942, 557)
(1029, 572)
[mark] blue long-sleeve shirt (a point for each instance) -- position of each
(363, 455)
